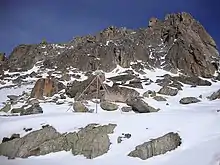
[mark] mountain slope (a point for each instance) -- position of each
(145, 74)
(197, 124)
(179, 42)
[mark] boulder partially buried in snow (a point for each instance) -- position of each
(28, 110)
(138, 105)
(178, 81)
(13, 98)
(33, 109)
(189, 100)
(29, 145)
(215, 95)
(192, 80)
(6, 108)
(168, 91)
(126, 109)
(157, 146)
(108, 106)
(119, 94)
(159, 98)
(91, 141)
(149, 93)
(78, 106)
(122, 78)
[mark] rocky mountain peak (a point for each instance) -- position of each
(180, 17)
(152, 21)
(177, 43)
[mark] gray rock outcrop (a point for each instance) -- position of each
(91, 141)
(126, 109)
(192, 80)
(159, 98)
(29, 144)
(13, 98)
(28, 110)
(178, 81)
(122, 78)
(78, 106)
(6, 108)
(215, 95)
(168, 91)
(157, 146)
(149, 93)
(119, 94)
(108, 106)
(189, 100)
(138, 105)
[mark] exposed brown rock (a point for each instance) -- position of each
(46, 87)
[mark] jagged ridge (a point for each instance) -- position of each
(178, 43)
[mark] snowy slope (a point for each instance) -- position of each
(197, 124)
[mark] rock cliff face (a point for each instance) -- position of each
(46, 87)
(178, 42)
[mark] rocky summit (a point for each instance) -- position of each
(177, 43)
(144, 96)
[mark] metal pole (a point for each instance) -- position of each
(85, 89)
(97, 93)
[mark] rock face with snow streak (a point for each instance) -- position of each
(91, 141)
(30, 54)
(157, 146)
(176, 81)
(178, 42)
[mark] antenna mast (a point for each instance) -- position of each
(98, 80)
